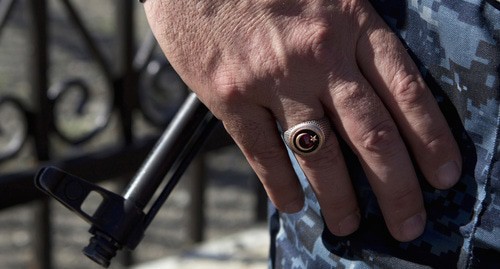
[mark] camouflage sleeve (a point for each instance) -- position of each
(456, 45)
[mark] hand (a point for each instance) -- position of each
(256, 62)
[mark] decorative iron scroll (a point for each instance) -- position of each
(146, 84)
(13, 126)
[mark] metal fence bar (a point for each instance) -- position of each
(125, 85)
(126, 80)
(196, 231)
(42, 243)
(114, 162)
(41, 234)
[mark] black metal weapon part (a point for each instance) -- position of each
(120, 220)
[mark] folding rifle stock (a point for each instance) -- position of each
(119, 220)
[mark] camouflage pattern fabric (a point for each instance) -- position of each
(456, 45)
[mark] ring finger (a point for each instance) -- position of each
(324, 168)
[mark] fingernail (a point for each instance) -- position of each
(349, 224)
(448, 174)
(412, 227)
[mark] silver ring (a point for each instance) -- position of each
(307, 137)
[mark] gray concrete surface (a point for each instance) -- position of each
(244, 250)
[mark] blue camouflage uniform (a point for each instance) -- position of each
(455, 43)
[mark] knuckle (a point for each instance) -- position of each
(231, 83)
(410, 91)
(287, 204)
(319, 41)
(350, 96)
(261, 152)
(434, 140)
(316, 41)
(245, 132)
(401, 202)
(267, 156)
(381, 139)
(228, 90)
(343, 202)
(402, 196)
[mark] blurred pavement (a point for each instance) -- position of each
(244, 250)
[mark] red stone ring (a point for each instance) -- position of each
(307, 137)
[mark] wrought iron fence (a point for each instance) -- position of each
(89, 119)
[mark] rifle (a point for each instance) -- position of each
(120, 220)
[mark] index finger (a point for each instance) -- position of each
(256, 134)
